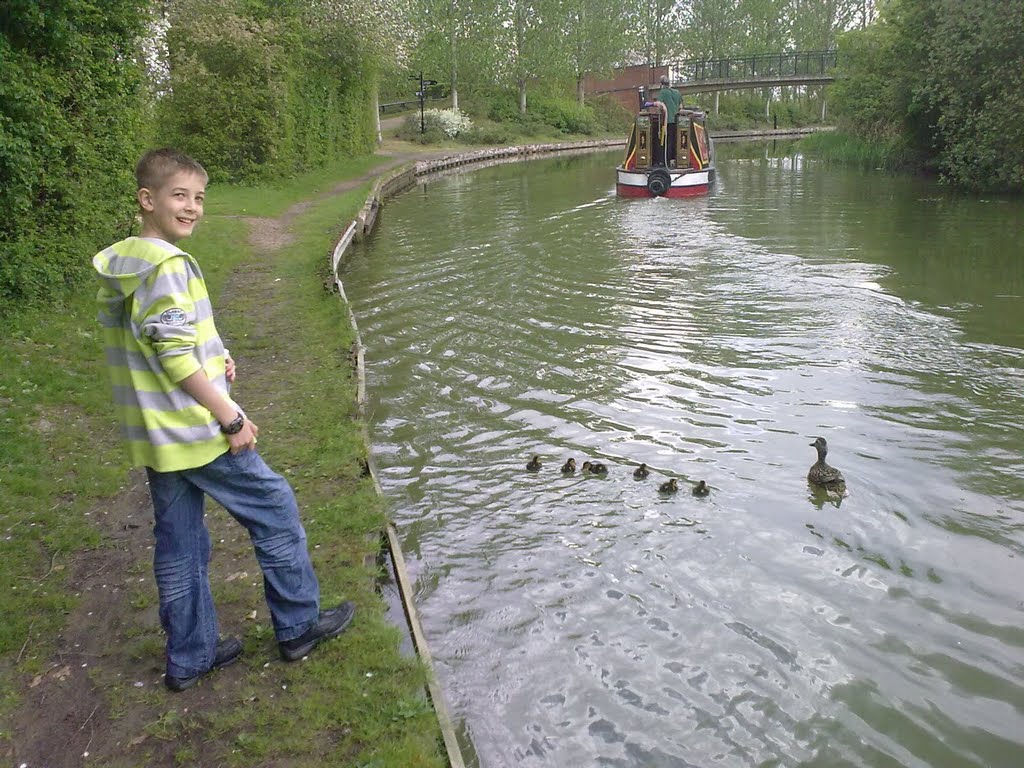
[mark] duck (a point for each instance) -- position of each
(569, 467)
(821, 474)
(641, 472)
(534, 464)
(594, 468)
(669, 486)
(701, 489)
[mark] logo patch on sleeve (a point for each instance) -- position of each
(173, 316)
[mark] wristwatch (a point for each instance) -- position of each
(235, 426)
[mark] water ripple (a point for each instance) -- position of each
(582, 621)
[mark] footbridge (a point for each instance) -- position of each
(766, 70)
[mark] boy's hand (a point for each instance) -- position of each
(229, 367)
(245, 438)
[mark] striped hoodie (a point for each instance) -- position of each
(158, 329)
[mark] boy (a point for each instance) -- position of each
(171, 376)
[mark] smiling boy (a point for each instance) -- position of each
(171, 375)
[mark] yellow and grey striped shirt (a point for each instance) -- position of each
(158, 330)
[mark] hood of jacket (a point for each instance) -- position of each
(125, 265)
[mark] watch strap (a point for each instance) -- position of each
(235, 426)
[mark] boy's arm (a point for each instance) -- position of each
(169, 322)
(202, 390)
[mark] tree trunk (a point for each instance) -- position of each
(376, 114)
(455, 87)
(579, 91)
(522, 95)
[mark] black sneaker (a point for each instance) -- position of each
(228, 651)
(332, 623)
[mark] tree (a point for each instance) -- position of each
(972, 87)
(714, 28)
(815, 24)
(532, 41)
(869, 96)
(597, 38)
(946, 78)
(454, 37)
(263, 87)
(658, 27)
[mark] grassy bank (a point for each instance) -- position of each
(847, 149)
(357, 701)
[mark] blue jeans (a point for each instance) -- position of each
(264, 503)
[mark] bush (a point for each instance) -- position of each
(490, 134)
(71, 117)
(503, 107)
(437, 125)
(257, 97)
(610, 114)
(565, 115)
(450, 122)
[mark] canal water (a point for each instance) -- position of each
(584, 621)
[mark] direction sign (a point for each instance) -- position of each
(430, 82)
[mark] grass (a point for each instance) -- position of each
(53, 415)
(850, 150)
(370, 709)
(272, 200)
(356, 702)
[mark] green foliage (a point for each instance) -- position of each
(258, 91)
(487, 134)
(869, 97)
(548, 111)
(502, 107)
(610, 114)
(946, 78)
(70, 130)
(973, 84)
(564, 115)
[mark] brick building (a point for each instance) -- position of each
(624, 83)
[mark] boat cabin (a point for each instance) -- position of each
(648, 145)
(661, 162)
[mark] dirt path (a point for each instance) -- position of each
(100, 700)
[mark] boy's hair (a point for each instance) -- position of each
(157, 165)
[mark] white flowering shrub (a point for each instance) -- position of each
(450, 122)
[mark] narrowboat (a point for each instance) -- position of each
(655, 166)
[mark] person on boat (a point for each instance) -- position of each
(670, 97)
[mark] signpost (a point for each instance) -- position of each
(422, 94)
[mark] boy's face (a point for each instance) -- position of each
(172, 211)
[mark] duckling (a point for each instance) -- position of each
(669, 486)
(594, 468)
(701, 489)
(641, 472)
(534, 464)
(821, 474)
(569, 467)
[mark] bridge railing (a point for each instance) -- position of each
(761, 66)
